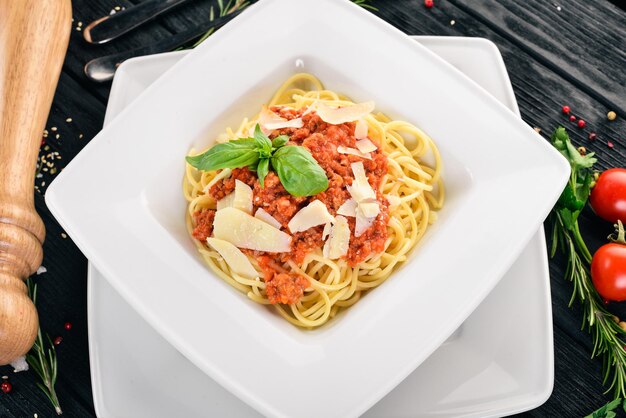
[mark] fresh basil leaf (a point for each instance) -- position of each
(298, 171)
(280, 141)
(262, 169)
(263, 143)
(232, 154)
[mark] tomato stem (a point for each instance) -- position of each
(619, 236)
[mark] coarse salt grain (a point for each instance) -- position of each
(19, 364)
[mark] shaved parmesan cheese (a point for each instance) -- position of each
(236, 260)
(338, 243)
(394, 201)
(226, 201)
(243, 197)
(224, 174)
(346, 150)
(337, 116)
(287, 123)
(270, 121)
(313, 214)
(369, 209)
(267, 218)
(362, 222)
(245, 231)
(360, 189)
(326, 230)
(360, 130)
(359, 173)
(310, 108)
(361, 193)
(348, 208)
(365, 145)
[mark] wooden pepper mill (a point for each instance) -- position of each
(33, 40)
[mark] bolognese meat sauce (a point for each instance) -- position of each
(322, 140)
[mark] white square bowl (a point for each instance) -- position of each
(120, 200)
(492, 365)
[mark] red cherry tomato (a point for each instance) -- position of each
(608, 271)
(608, 196)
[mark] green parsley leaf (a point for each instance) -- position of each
(280, 141)
(263, 143)
(233, 154)
(298, 171)
(561, 141)
(576, 192)
(262, 169)
(569, 200)
(606, 411)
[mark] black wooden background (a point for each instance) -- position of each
(557, 52)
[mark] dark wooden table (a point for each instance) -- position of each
(557, 52)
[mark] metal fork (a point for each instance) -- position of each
(110, 27)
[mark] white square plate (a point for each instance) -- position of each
(493, 365)
(120, 201)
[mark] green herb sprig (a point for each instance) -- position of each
(608, 410)
(607, 335)
(296, 168)
(236, 5)
(42, 359)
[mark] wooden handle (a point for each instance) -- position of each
(33, 40)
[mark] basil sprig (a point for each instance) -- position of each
(298, 171)
(296, 168)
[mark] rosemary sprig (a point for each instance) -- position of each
(43, 360)
(224, 9)
(607, 335)
(364, 4)
(236, 5)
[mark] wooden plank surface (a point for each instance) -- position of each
(574, 56)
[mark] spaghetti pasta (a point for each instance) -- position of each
(408, 191)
